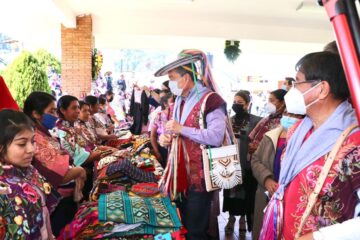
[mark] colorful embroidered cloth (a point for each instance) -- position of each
(157, 214)
(21, 205)
(145, 189)
(53, 162)
(126, 168)
(86, 224)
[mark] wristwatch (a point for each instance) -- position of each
(317, 236)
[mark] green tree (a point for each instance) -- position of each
(46, 60)
(25, 75)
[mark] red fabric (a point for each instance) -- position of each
(182, 175)
(336, 201)
(195, 169)
(6, 99)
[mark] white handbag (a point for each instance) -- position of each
(222, 169)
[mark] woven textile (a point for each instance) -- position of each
(157, 214)
(126, 168)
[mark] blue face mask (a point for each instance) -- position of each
(286, 122)
(49, 121)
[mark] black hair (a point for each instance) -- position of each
(165, 91)
(244, 95)
(164, 100)
(91, 100)
(279, 94)
(186, 69)
(166, 84)
(331, 47)
(157, 91)
(38, 102)
(83, 103)
(64, 102)
(289, 80)
(102, 99)
(11, 123)
(109, 92)
(325, 66)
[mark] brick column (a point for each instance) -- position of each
(76, 48)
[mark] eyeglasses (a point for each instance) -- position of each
(305, 81)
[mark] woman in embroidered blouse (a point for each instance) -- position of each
(50, 160)
(266, 165)
(79, 149)
(275, 107)
(104, 118)
(75, 141)
(158, 128)
(26, 198)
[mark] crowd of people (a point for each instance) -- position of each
(74, 169)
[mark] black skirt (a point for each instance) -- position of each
(241, 199)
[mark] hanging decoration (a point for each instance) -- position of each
(97, 62)
(232, 50)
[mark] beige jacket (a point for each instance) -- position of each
(262, 164)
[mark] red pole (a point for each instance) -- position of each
(347, 51)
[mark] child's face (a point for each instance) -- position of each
(21, 151)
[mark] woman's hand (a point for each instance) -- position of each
(270, 185)
(165, 140)
(252, 148)
(94, 156)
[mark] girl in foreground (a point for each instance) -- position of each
(26, 198)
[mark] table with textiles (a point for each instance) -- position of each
(125, 202)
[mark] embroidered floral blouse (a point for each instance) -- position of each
(50, 160)
(22, 192)
(72, 142)
(337, 199)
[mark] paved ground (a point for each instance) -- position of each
(222, 223)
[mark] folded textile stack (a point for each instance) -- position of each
(125, 201)
(156, 214)
(142, 213)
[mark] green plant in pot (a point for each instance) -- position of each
(232, 50)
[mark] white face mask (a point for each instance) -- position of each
(174, 88)
(270, 108)
(295, 102)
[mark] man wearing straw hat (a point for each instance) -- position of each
(183, 179)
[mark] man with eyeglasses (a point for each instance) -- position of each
(321, 92)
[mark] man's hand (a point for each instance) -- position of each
(308, 236)
(165, 140)
(173, 127)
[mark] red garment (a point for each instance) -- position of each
(265, 125)
(336, 201)
(53, 162)
(6, 99)
(196, 171)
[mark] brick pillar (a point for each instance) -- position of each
(76, 48)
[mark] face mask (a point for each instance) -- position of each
(174, 88)
(49, 121)
(283, 87)
(295, 102)
(238, 108)
(287, 122)
(270, 108)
